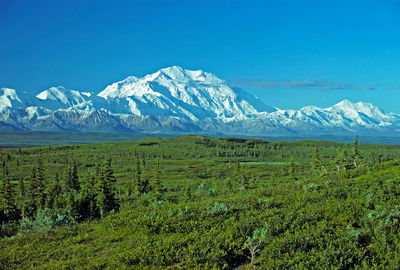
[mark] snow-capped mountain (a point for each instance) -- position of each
(177, 100)
(191, 95)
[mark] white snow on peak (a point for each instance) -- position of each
(183, 75)
(192, 94)
(60, 97)
(9, 98)
(350, 109)
(53, 93)
(176, 95)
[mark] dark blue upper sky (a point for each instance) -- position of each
(288, 53)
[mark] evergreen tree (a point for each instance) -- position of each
(4, 175)
(87, 201)
(144, 161)
(72, 205)
(317, 164)
(54, 195)
(105, 197)
(21, 188)
(36, 192)
(40, 186)
(32, 193)
(67, 178)
(74, 177)
(71, 179)
(292, 170)
(344, 160)
(8, 199)
(144, 185)
(337, 163)
(158, 188)
(355, 155)
(316, 161)
(109, 172)
(138, 172)
(101, 198)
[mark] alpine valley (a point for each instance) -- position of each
(175, 100)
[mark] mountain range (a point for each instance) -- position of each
(176, 100)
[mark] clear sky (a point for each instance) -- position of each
(288, 53)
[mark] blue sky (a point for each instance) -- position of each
(288, 53)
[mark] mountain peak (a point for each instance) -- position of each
(173, 69)
(60, 97)
(53, 93)
(355, 106)
(9, 92)
(189, 100)
(184, 75)
(8, 98)
(344, 103)
(193, 94)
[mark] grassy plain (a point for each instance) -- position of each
(217, 196)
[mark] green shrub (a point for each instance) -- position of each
(46, 220)
(218, 209)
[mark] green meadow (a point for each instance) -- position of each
(195, 202)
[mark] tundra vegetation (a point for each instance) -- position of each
(199, 202)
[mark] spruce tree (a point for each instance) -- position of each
(36, 193)
(109, 172)
(8, 199)
(40, 186)
(110, 180)
(4, 175)
(144, 160)
(87, 198)
(32, 193)
(355, 155)
(71, 179)
(21, 188)
(317, 164)
(74, 177)
(106, 200)
(337, 161)
(138, 172)
(158, 188)
(344, 160)
(292, 170)
(72, 205)
(54, 194)
(144, 185)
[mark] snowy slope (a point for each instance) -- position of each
(193, 95)
(177, 100)
(9, 99)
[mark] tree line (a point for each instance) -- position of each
(90, 197)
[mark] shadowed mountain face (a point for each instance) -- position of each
(176, 100)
